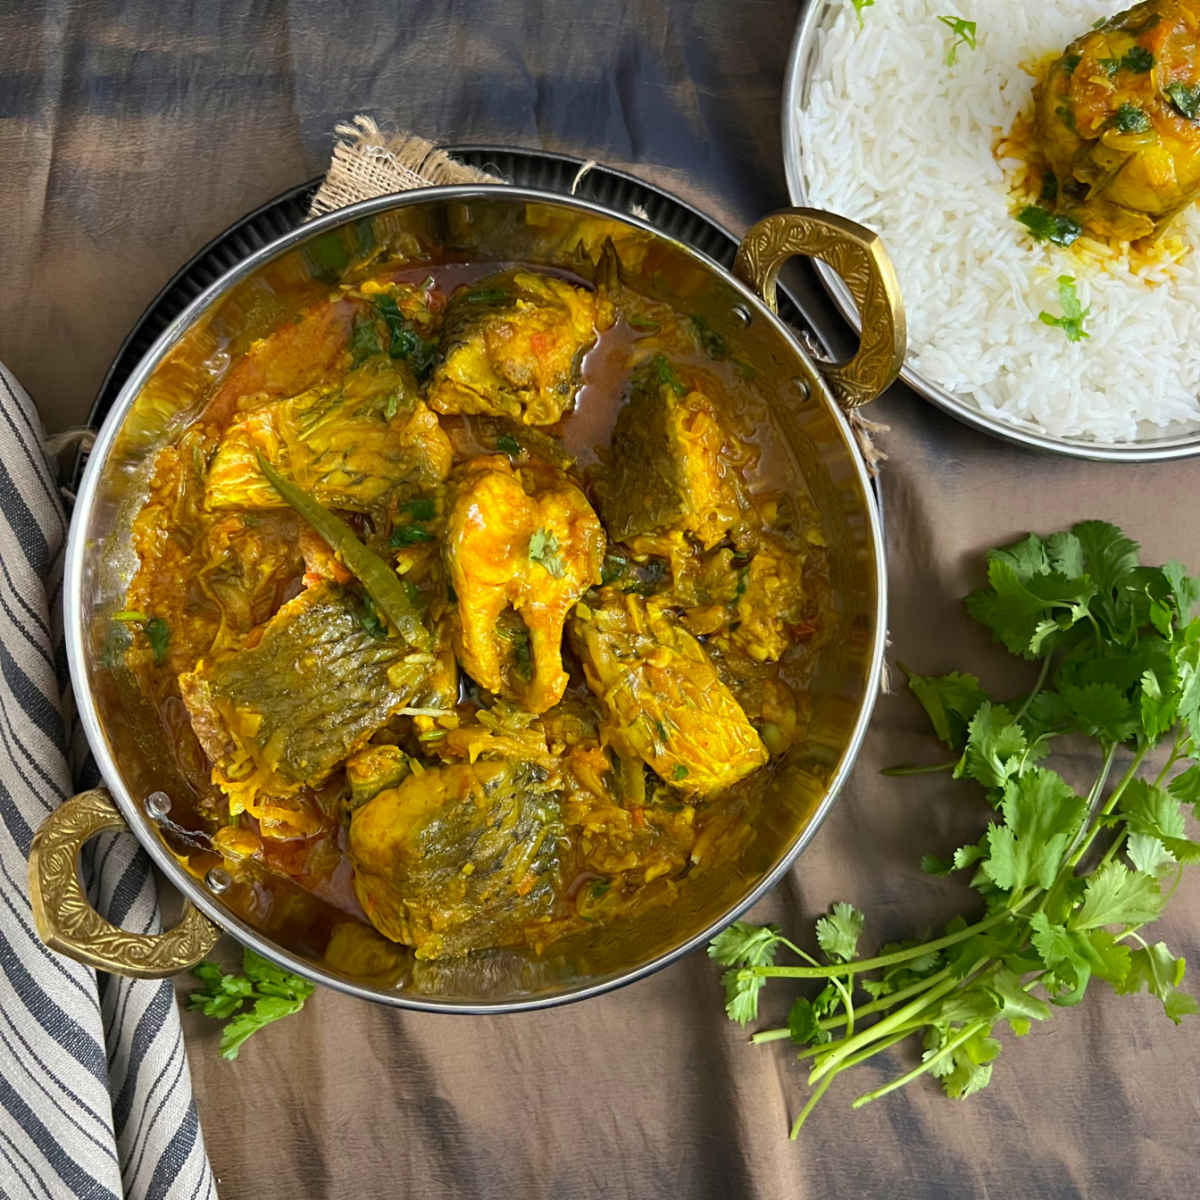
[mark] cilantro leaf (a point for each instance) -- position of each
(995, 748)
(1115, 895)
(951, 702)
(1186, 100)
(1046, 226)
(838, 933)
(745, 945)
(1151, 810)
(1155, 969)
(1042, 815)
(159, 636)
(543, 550)
(1101, 710)
(1186, 788)
(1019, 600)
(1185, 589)
(406, 343)
(1073, 314)
(963, 35)
(246, 1003)
(803, 1026)
(1148, 854)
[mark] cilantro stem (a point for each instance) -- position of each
(863, 1010)
(1037, 687)
(852, 1061)
(913, 769)
(882, 1027)
(896, 956)
(1109, 805)
(812, 1103)
(921, 1068)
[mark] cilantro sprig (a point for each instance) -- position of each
(1073, 312)
(1069, 880)
(247, 1002)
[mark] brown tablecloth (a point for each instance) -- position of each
(129, 134)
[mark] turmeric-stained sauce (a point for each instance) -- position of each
(471, 614)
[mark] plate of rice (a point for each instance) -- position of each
(905, 115)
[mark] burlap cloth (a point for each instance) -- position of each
(130, 134)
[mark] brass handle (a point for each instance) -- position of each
(68, 923)
(858, 256)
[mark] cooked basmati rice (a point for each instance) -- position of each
(893, 137)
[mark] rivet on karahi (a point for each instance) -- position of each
(218, 879)
(742, 313)
(158, 804)
(801, 386)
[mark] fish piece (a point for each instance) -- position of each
(671, 466)
(281, 714)
(459, 857)
(665, 702)
(362, 445)
(521, 547)
(512, 346)
(1118, 120)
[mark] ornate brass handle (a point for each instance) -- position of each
(858, 256)
(65, 919)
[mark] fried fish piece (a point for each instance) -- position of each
(1118, 120)
(512, 346)
(282, 714)
(355, 445)
(459, 857)
(671, 465)
(665, 702)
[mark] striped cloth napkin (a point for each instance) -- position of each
(95, 1092)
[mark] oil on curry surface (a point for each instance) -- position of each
(437, 656)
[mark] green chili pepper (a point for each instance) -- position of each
(381, 583)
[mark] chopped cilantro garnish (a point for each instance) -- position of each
(157, 632)
(369, 618)
(1130, 119)
(1073, 314)
(1186, 100)
(406, 342)
(423, 508)
(859, 5)
(667, 376)
(680, 772)
(409, 535)
(711, 342)
(1046, 226)
(543, 550)
(509, 445)
(963, 35)
(1049, 187)
(614, 567)
(364, 340)
(1137, 59)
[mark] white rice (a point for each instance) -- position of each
(892, 137)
